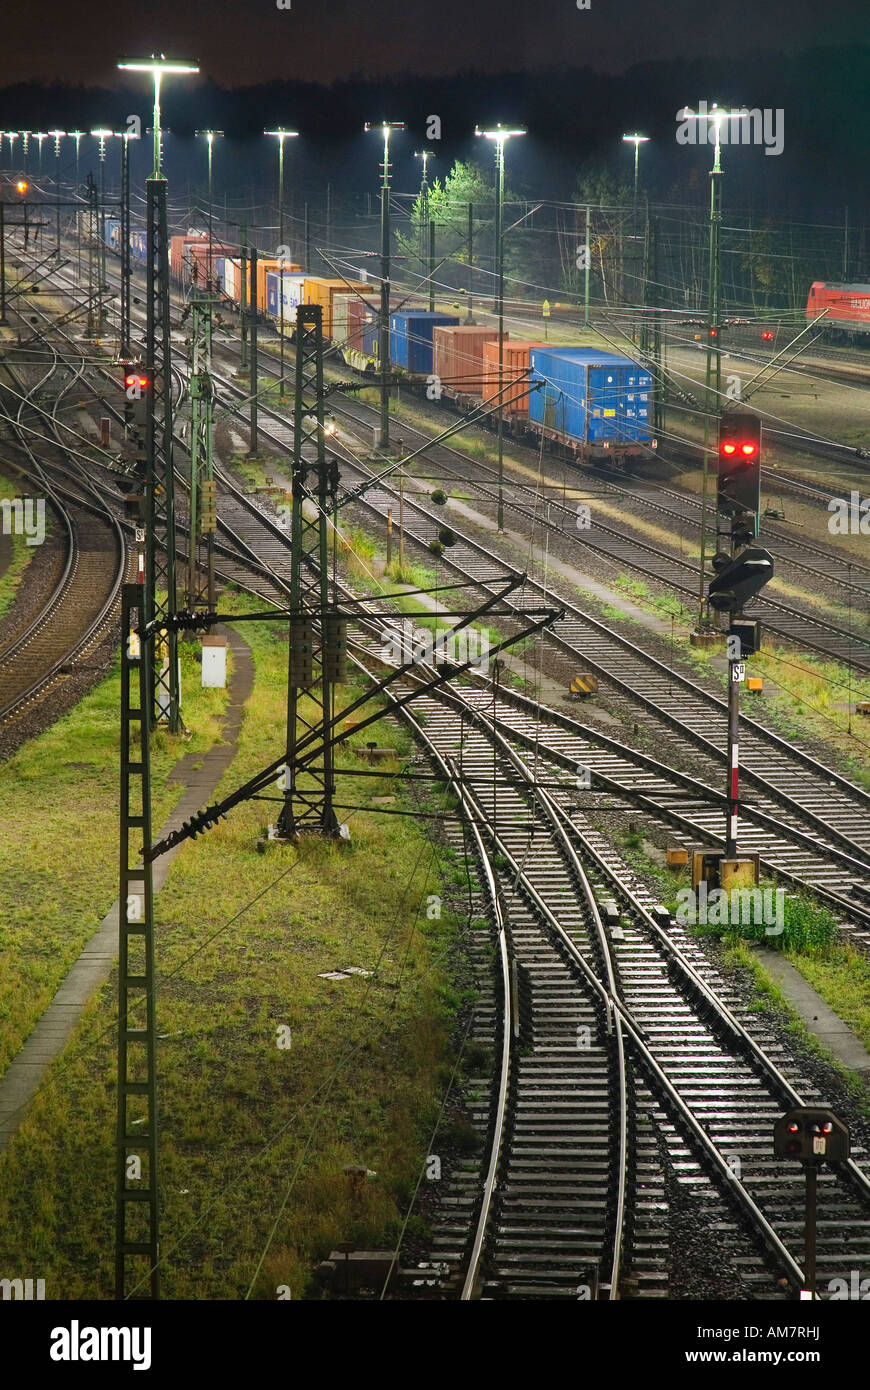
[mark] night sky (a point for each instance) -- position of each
(239, 42)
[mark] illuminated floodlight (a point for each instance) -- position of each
(637, 141)
(157, 65)
(500, 132)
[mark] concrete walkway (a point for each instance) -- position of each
(819, 1017)
(94, 965)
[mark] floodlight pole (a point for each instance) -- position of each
(282, 136)
(713, 373)
(427, 228)
(102, 136)
(500, 136)
(209, 136)
(146, 693)
(125, 247)
(384, 326)
(57, 136)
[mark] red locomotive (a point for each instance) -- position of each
(846, 309)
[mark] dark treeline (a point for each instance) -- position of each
(573, 117)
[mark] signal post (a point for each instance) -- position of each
(738, 575)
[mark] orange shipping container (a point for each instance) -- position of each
(515, 371)
(319, 290)
(458, 358)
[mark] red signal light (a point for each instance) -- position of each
(747, 450)
(134, 379)
(767, 336)
(729, 448)
(714, 332)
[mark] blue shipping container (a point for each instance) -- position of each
(594, 397)
(411, 338)
(272, 293)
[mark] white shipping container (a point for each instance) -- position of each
(339, 314)
(232, 278)
(291, 292)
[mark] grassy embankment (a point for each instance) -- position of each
(242, 937)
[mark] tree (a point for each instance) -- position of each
(446, 204)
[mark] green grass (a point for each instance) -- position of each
(59, 836)
(241, 938)
(809, 929)
(842, 978)
(769, 998)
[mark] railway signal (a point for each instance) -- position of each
(137, 399)
(739, 490)
(812, 1135)
(739, 579)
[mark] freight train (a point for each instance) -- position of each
(595, 406)
(846, 310)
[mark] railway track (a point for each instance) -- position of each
(829, 842)
(611, 1039)
(829, 807)
(83, 598)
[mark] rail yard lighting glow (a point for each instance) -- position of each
(425, 155)
(637, 141)
(500, 134)
(716, 114)
(158, 66)
(102, 135)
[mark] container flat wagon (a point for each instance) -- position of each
(596, 404)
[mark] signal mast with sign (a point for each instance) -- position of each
(740, 572)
